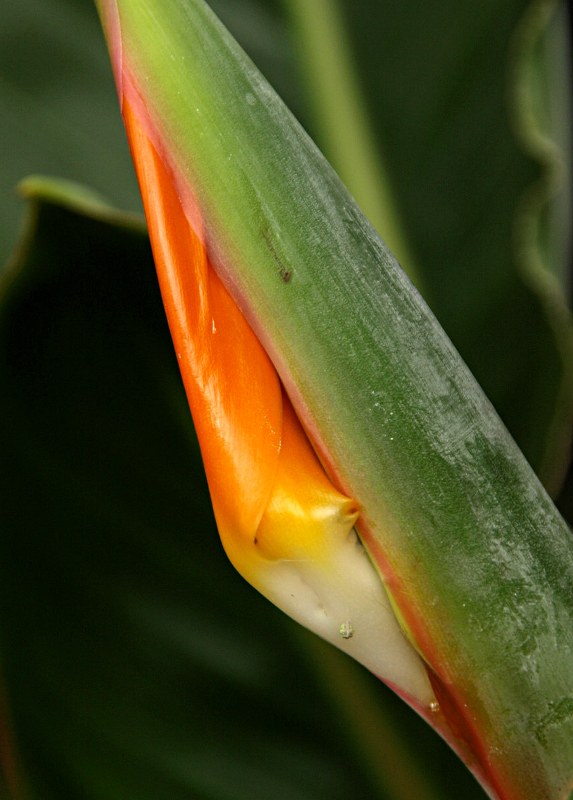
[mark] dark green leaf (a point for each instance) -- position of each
(58, 105)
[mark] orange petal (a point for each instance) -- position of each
(232, 387)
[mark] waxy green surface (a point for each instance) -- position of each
(463, 522)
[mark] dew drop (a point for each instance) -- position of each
(346, 630)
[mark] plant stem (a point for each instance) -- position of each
(341, 119)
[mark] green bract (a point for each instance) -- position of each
(471, 549)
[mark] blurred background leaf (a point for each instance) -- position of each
(59, 106)
(133, 657)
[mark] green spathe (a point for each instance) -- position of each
(476, 557)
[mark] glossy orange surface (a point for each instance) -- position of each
(267, 486)
(232, 387)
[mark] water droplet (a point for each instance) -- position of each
(434, 706)
(346, 630)
(250, 98)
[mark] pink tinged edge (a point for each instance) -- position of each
(452, 719)
(111, 23)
